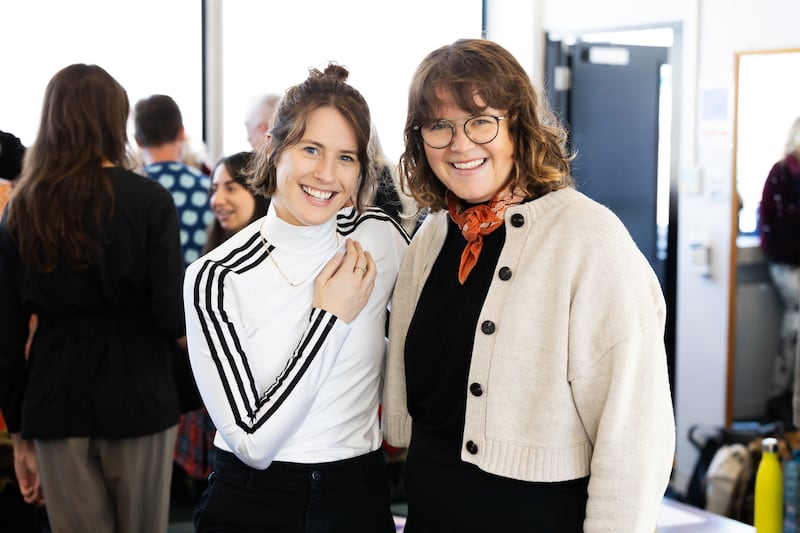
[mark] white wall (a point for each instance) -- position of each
(147, 46)
(269, 46)
(725, 28)
(712, 31)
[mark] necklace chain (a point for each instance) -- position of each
(279, 269)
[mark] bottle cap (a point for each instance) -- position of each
(769, 445)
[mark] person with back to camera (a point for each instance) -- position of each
(161, 137)
(93, 249)
(527, 371)
(286, 324)
(779, 230)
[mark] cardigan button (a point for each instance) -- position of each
(476, 389)
(472, 447)
(504, 274)
(517, 220)
(487, 327)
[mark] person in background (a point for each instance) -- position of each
(386, 195)
(779, 230)
(17, 515)
(12, 152)
(93, 249)
(257, 120)
(235, 206)
(161, 138)
(286, 324)
(159, 133)
(527, 372)
(233, 202)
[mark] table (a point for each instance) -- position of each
(673, 517)
(676, 517)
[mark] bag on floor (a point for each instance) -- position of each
(727, 480)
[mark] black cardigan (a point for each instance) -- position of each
(100, 364)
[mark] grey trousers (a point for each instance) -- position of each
(786, 279)
(107, 485)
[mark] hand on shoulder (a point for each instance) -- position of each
(346, 282)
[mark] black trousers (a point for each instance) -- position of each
(447, 494)
(351, 496)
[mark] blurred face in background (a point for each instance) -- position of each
(233, 205)
(256, 132)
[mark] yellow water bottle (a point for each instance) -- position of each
(769, 490)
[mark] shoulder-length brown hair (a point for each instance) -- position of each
(63, 195)
(476, 67)
(320, 89)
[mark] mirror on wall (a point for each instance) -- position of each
(767, 103)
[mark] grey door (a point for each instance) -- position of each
(611, 108)
(613, 119)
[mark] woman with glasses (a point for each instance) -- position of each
(527, 371)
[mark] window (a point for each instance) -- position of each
(269, 46)
(149, 46)
(155, 46)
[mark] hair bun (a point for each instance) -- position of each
(333, 70)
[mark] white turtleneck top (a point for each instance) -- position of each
(282, 380)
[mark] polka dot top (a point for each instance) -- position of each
(189, 188)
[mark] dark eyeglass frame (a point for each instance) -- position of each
(452, 126)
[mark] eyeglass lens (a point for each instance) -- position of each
(480, 130)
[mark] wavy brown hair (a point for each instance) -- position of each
(320, 89)
(63, 196)
(477, 67)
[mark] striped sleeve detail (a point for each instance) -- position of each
(250, 407)
(347, 222)
(310, 345)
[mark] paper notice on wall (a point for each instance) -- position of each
(715, 125)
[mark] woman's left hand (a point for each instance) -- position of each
(346, 282)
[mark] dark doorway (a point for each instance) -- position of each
(610, 98)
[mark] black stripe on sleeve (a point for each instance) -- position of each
(226, 350)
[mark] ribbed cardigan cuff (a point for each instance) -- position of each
(397, 430)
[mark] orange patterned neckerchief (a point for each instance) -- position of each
(5, 194)
(477, 221)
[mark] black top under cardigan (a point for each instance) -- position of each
(445, 493)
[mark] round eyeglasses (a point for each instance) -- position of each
(480, 129)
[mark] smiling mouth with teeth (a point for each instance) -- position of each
(469, 164)
(317, 194)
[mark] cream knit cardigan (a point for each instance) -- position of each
(574, 375)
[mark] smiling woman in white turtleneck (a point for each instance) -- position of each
(286, 329)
